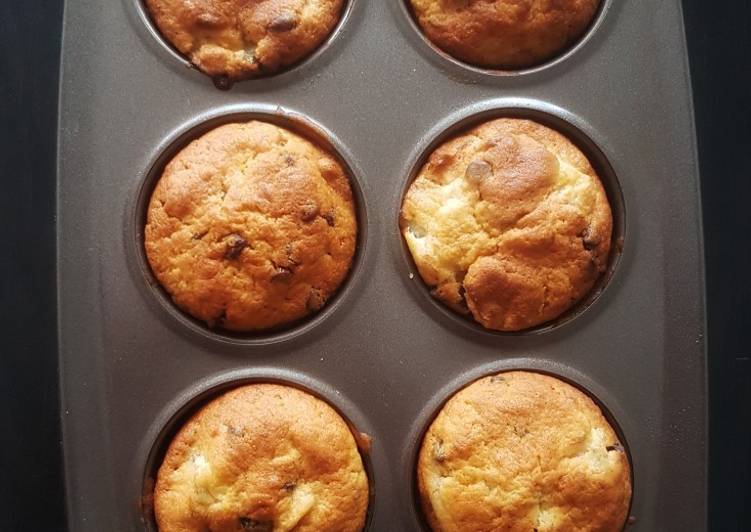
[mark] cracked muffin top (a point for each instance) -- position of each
(522, 451)
(239, 39)
(504, 34)
(266, 458)
(509, 223)
(251, 227)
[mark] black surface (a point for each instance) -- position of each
(31, 488)
(720, 48)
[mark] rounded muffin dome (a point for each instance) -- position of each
(237, 39)
(251, 227)
(508, 222)
(266, 458)
(522, 451)
(504, 34)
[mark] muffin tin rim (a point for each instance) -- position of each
(188, 400)
(144, 18)
(614, 413)
(179, 137)
(436, 54)
(548, 115)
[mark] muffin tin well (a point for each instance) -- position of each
(178, 412)
(179, 139)
(223, 83)
(382, 351)
(446, 60)
(573, 128)
(413, 440)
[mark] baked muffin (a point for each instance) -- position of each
(238, 39)
(263, 457)
(251, 227)
(508, 222)
(522, 451)
(504, 34)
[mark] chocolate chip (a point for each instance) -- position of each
(587, 241)
(235, 246)
(222, 82)
(309, 212)
(256, 525)
(315, 299)
(285, 22)
(478, 171)
(289, 486)
(615, 447)
(200, 235)
(281, 274)
(329, 217)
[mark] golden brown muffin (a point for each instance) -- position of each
(239, 39)
(251, 227)
(522, 451)
(504, 34)
(509, 222)
(263, 457)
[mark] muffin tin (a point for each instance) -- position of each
(382, 353)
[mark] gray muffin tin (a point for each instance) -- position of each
(382, 352)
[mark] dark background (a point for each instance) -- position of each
(31, 493)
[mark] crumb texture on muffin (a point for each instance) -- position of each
(522, 451)
(240, 39)
(266, 458)
(504, 34)
(510, 222)
(251, 227)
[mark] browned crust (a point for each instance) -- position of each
(251, 227)
(522, 451)
(504, 34)
(240, 39)
(262, 457)
(532, 236)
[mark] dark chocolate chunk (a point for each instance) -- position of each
(281, 274)
(235, 246)
(289, 486)
(329, 217)
(256, 525)
(285, 22)
(222, 82)
(588, 242)
(309, 212)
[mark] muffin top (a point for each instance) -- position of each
(522, 451)
(509, 222)
(251, 227)
(504, 34)
(239, 39)
(262, 457)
